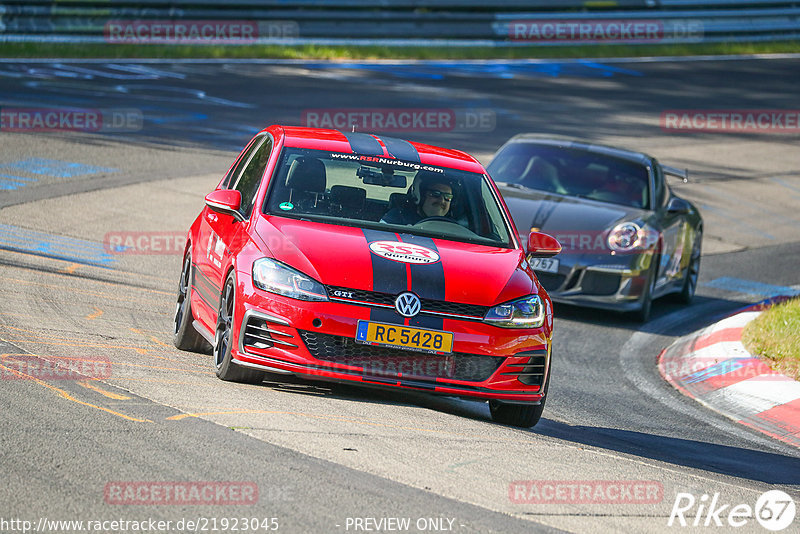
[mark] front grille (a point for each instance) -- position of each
(550, 281)
(386, 361)
(595, 283)
(371, 297)
(530, 373)
(428, 305)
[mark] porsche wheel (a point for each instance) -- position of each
(223, 340)
(692, 272)
(185, 337)
(642, 315)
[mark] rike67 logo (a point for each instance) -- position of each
(774, 510)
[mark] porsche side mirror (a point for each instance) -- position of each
(542, 245)
(678, 206)
(226, 201)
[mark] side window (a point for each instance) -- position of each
(237, 169)
(250, 179)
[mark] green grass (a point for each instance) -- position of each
(774, 336)
(116, 51)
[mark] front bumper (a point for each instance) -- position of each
(316, 340)
(614, 282)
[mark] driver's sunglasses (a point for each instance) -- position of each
(435, 193)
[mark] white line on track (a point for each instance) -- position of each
(636, 370)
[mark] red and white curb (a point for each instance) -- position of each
(713, 367)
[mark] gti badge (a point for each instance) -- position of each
(407, 304)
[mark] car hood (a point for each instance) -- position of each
(565, 218)
(375, 260)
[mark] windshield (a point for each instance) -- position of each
(387, 194)
(573, 172)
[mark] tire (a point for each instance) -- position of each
(692, 271)
(185, 337)
(642, 315)
(223, 337)
(521, 415)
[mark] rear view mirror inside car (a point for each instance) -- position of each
(384, 177)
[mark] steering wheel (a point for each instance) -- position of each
(435, 218)
(457, 229)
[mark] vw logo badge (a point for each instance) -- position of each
(407, 304)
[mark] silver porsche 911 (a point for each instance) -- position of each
(626, 237)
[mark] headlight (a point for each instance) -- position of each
(526, 312)
(629, 236)
(276, 277)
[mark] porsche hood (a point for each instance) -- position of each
(567, 219)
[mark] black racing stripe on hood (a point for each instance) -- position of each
(362, 143)
(387, 277)
(542, 215)
(401, 149)
(427, 281)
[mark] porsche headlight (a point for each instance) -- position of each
(276, 277)
(526, 312)
(629, 236)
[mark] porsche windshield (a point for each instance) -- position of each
(388, 194)
(573, 172)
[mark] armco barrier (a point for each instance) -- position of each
(409, 22)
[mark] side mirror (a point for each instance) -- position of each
(226, 201)
(678, 206)
(542, 245)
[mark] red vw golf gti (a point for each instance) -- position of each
(352, 257)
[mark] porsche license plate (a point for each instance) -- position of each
(393, 335)
(545, 265)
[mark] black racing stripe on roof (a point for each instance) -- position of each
(362, 143)
(401, 149)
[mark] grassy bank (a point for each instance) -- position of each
(114, 51)
(774, 336)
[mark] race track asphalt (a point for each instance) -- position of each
(318, 453)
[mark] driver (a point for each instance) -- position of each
(429, 196)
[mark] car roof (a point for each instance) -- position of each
(359, 142)
(567, 142)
